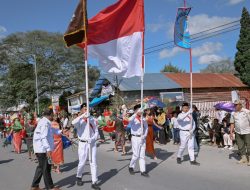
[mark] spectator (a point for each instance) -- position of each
(217, 136)
(240, 122)
(176, 129)
(119, 134)
(228, 142)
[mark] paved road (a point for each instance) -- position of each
(218, 171)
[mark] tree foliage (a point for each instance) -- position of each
(224, 66)
(242, 57)
(58, 68)
(169, 68)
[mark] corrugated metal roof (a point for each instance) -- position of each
(152, 81)
(206, 80)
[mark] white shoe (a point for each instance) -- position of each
(225, 147)
(231, 148)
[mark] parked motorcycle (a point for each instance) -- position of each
(204, 127)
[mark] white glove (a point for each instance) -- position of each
(85, 115)
(140, 110)
(190, 111)
(89, 141)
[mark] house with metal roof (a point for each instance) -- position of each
(208, 88)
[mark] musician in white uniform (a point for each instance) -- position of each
(186, 134)
(87, 137)
(138, 141)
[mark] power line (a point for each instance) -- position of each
(210, 35)
(198, 33)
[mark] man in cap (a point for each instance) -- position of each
(240, 123)
(87, 136)
(138, 141)
(187, 127)
(43, 144)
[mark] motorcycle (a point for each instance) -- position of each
(204, 128)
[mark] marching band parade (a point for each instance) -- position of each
(137, 130)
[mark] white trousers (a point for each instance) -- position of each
(227, 140)
(186, 141)
(83, 153)
(138, 153)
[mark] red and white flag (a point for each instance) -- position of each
(115, 38)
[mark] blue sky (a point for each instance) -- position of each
(54, 16)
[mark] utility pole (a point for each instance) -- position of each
(37, 95)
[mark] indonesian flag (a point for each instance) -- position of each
(115, 38)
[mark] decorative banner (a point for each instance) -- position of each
(235, 95)
(181, 31)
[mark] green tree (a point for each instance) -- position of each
(242, 57)
(169, 68)
(58, 68)
(224, 66)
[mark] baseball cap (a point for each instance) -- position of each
(236, 102)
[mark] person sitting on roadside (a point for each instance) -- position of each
(225, 130)
(217, 133)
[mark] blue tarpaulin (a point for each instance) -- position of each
(98, 100)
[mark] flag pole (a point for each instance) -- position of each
(191, 77)
(142, 67)
(86, 77)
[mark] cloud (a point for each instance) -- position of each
(2, 30)
(155, 27)
(170, 53)
(207, 59)
(234, 2)
(207, 48)
(201, 22)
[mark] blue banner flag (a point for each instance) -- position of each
(181, 32)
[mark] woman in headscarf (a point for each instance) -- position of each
(57, 154)
(30, 128)
(150, 116)
(16, 130)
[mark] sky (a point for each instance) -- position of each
(54, 16)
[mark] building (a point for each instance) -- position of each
(75, 101)
(208, 88)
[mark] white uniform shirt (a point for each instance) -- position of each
(84, 133)
(135, 125)
(241, 120)
(184, 121)
(174, 123)
(43, 139)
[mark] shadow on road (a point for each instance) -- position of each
(161, 155)
(104, 177)
(69, 166)
(5, 161)
(107, 175)
(70, 181)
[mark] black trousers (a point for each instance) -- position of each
(101, 134)
(43, 170)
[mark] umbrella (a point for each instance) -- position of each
(155, 102)
(98, 100)
(226, 106)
